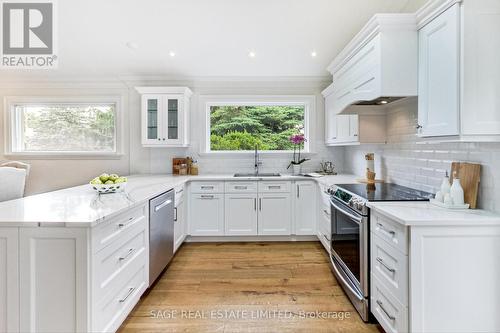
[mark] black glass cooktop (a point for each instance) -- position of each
(386, 192)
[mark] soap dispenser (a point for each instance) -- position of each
(456, 191)
(445, 185)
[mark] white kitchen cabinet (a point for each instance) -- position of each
(274, 214)
(165, 116)
(53, 271)
(241, 214)
(180, 218)
(439, 84)
(304, 208)
(459, 70)
(9, 280)
(206, 214)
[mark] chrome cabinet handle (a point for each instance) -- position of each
(324, 236)
(381, 305)
(121, 225)
(180, 191)
(207, 187)
(241, 187)
(260, 204)
(130, 291)
(381, 226)
(326, 212)
(274, 187)
(392, 270)
(127, 255)
(298, 191)
(207, 196)
(175, 214)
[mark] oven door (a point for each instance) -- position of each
(349, 253)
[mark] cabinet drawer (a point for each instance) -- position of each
(391, 268)
(391, 315)
(112, 262)
(111, 311)
(179, 194)
(390, 231)
(107, 233)
(241, 187)
(207, 187)
(325, 222)
(274, 187)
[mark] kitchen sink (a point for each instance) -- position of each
(257, 175)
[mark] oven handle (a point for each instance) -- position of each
(357, 219)
(346, 283)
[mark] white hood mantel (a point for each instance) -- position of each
(378, 66)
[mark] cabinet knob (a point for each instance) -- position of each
(159, 139)
(163, 139)
(419, 126)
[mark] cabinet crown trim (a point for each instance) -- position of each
(377, 24)
(431, 10)
(165, 90)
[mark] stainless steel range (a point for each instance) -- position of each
(350, 248)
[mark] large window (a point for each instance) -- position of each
(44, 127)
(241, 126)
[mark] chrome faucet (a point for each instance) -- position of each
(256, 160)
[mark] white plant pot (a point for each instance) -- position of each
(296, 169)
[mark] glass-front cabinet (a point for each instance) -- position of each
(165, 116)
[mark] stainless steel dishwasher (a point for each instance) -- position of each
(161, 233)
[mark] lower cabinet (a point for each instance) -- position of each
(180, 220)
(274, 216)
(53, 270)
(241, 214)
(304, 208)
(9, 280)
(206, 214)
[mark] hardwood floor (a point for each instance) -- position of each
(208, 286)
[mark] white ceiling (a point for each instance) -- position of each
(209, 37)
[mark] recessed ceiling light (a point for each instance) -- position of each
(171, 54)
(251, 54)
(383, 102)
(132, 45)
(314, 54)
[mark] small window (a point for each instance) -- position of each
(267, 125)
(63, 128)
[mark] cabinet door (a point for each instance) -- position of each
(179, 224)
(152, 119)
(354, 127)
(343, 128)
(481, 76)
(206, 215)
(174, 118)
(274, 214)
(304, 207)
(330, 121)
(9, 280)
(439, 75)
(53, 279)
(241, 214)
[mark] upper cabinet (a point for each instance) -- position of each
(459, 71)
(378, 66)
(164, 116)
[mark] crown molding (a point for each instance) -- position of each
(433, 9)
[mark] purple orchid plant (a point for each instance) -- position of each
(297, 140)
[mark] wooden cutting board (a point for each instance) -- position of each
(470, 176)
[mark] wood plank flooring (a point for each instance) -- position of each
(247, 287)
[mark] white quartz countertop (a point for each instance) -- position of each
(426, 214)
(80, 206)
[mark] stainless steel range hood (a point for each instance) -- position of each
(380, 101)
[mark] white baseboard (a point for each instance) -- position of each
(195, 239)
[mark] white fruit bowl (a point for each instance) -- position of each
(108, 188)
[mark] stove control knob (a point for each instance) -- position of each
(351, 202)
(359, 205)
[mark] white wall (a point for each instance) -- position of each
(423, 166)
(52, 174)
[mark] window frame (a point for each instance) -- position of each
(308, 101)
(13, 127)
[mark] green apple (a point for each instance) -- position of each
(121, 180)
(109, 182)
(104, 177)
(96, 181)
(113, 177)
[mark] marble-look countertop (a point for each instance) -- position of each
(80, 206)
(425, 214)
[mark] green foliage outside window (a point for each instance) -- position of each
(243, 127)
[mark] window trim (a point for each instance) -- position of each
(308, 101)
(10, 122)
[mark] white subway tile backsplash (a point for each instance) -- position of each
(408, 162)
